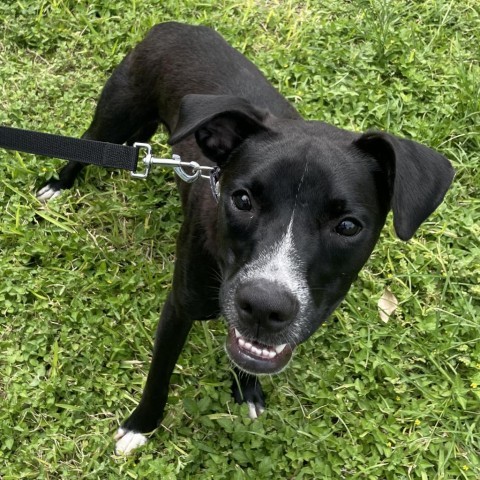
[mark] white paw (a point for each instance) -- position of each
(254, 410)
(48, 193)
(128, 441)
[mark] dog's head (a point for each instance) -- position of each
(301, 207)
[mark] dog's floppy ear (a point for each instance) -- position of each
(220, 123)
(417, 177)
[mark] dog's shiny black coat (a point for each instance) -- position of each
(301, 205)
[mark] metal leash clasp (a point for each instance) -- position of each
(175, 162)
(147, 160)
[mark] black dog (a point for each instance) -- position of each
(300, 209)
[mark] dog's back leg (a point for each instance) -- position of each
(121, 116)
(172, 331)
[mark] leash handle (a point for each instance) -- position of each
(103, 154)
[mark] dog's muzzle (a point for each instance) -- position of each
(265, 309)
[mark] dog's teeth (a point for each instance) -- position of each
(256, 350)
(267, 353)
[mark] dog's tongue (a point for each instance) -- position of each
(254, 357)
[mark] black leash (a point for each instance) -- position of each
(109, 155)
(103, 154)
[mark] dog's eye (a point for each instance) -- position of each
(348, 227)
(241, 200)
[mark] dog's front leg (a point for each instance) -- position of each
(247, 389)
(172, 331)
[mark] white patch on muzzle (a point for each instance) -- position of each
(279, 264)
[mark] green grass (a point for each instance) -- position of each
(84, 277)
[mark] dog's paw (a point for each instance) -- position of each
(49, 192)
(128, 441)
(249, 390)
(255, 409)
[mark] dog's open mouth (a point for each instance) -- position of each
(255, 357)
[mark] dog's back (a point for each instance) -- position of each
(175, 60)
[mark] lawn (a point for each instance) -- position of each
(83, 278)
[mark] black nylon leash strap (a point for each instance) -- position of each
(103, 154)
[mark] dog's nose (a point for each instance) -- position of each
(267, 304)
